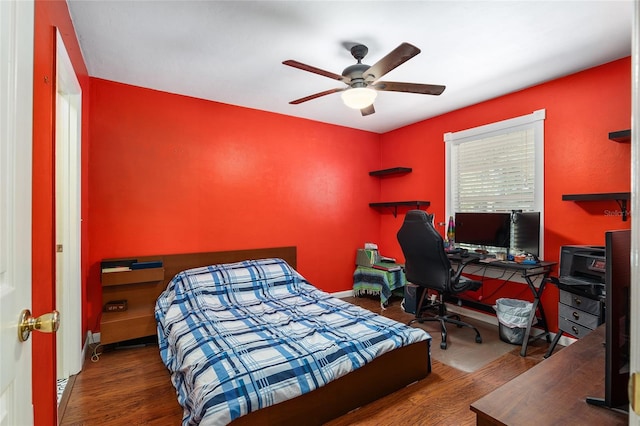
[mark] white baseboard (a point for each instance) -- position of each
(343, 294)
(493, 320)
(477, 315)
(472, 313)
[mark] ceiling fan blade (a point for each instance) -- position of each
(305, 67)
(396, 57)
(367, 111)
(316, 95)
(424, 89)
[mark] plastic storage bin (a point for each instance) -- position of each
(513, 317)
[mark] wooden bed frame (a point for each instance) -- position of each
(384, 375)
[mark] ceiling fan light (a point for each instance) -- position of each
(359, 97)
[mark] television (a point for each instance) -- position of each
(483, 229)
(617, 321)
(526, 232)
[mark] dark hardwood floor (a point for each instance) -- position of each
(132, 387)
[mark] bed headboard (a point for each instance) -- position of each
(175, 263)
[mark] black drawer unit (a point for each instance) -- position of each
(579, 312)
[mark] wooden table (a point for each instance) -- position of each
(554, 391)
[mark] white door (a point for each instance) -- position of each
(16, 117)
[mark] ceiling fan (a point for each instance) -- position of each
(362, 80)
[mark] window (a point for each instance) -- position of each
(497, 167)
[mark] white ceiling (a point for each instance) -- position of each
(232, 51)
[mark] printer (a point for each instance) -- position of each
(583, 266)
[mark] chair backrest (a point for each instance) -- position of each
(426, 263)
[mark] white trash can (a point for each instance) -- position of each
(513, 317)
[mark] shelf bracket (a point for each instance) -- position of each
(619, 197)
(623, 208)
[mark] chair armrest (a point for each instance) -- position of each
(459, 283)
(463, 264)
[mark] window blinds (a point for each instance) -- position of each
(494, 173)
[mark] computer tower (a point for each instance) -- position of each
(412, 294)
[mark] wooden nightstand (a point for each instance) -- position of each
(140, 288)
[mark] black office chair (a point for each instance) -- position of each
(427, 265)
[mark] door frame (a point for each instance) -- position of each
(634, 367)
(43, 211)
(68, 202)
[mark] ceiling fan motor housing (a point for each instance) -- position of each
(354, 74)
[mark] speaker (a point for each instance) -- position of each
(412, 295)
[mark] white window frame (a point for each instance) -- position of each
(534, 121)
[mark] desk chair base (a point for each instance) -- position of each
(443, 317)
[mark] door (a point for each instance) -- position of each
(16, 117)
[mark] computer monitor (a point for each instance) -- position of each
(483, 229)
(526, 232)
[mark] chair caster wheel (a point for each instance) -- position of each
(478, 339)
(443, 345)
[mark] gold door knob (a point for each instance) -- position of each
(47, 323)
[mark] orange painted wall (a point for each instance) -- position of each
(50, 15)
(581, 109)
(173, 174)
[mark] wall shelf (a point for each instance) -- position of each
(390, 172)
(620, 197)
(620, 136)
(393, 205)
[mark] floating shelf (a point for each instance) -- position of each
(620, 136)
(393, 205)
(391, 171)
(620, 197)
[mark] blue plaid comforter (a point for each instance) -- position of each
(243, 336)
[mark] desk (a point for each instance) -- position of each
(554, 392)
(377, 282)
(528, 272)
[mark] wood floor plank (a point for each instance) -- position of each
(133, 387)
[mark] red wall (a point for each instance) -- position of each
(173, 174)
(50, 15)
(581, 109)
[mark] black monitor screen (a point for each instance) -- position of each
(526, 232)
(483, 229)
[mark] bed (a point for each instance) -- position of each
(253, 342)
